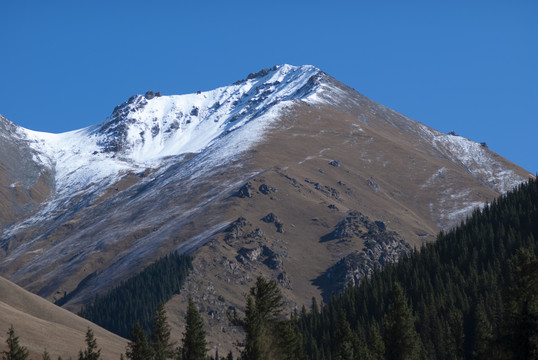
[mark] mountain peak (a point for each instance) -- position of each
(151, 126)
(148, 129)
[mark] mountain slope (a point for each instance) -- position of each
(41, 325)
(346, 180)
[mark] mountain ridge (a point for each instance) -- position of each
(310, 151)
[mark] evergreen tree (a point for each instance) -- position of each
(481, 335)
(349, 346)
(268, 335)
(14, 350)
(160, 338)
(253, 326)
(376, 346)
(92, 352)
(400, 336)
(46, 355)
(289, 340)
(194, 341)
(138, 347)
(519, 332)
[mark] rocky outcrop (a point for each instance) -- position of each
(381, 247)
(266, 189)
(262, 254)
(236, 230)
(245, 191)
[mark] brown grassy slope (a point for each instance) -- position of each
(41, 325)
(385, 172)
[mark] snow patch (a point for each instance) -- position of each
(149, 133)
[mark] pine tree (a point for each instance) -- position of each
(253, 326)
(138, 347)
(289, 340)
(268, 335)
(401, 338)
(194, 341)
(347, 342)
(92, 352)
(14, 350)
(160, 339)
(481, 335)
(46, 355)
(519, 332)
(376, 346)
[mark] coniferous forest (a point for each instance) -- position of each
(137, 299)
(472, 294)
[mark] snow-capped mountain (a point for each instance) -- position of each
(148, 129)
(251, 178)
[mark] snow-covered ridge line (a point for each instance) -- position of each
(475, 158)
(147, 130)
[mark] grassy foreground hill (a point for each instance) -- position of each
(42, 325)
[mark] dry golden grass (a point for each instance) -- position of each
(42, 325)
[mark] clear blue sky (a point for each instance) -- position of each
(467, 66)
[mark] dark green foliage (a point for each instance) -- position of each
(376, 345)
(14, 350)
(160, 338)
(481, 334)
(46, 355)
(400, 336)
(349, 345)
(268, 335)
(518, 338)
(138, 347)
(92, 352)
(137, 299)
(467, 298)
(194, 342)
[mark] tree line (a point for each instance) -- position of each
(472, 294)
(137, 299)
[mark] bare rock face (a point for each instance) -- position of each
(25, 182)
(358, 185)
(381, 247)
(245, 191)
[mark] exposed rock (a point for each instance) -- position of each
(155, 130)
(195, 111)
(236, 229)
(283, 280)
(245, 191)
(249, 254)
(262, 254)
(327, 190)
(381, 225)
(374, 186)
(265, 189)
(381, 247)
(257, 233)
(149, 95)
(335, 163)
(357, 225)
(258, 74)
(269, 218)
(279, 227)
